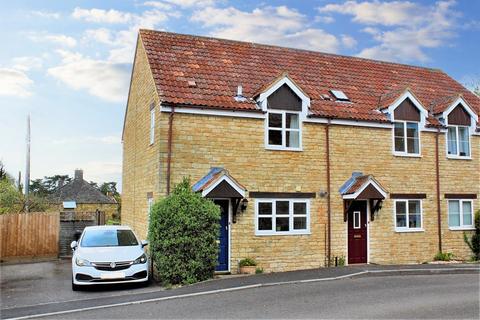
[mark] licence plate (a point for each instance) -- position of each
(113, 275)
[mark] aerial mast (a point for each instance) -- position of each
(27, 167)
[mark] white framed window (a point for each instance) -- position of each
(460, 214)
(356, 220)
(283, 130)
(406, 138)
(408, 215)
(282, 216)
(152, 124)
(458, 141)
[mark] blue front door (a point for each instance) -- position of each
(222, 264)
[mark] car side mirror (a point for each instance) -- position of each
(73, 245)
(144, 243)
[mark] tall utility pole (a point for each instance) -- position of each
(27, 167)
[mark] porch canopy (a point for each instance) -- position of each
(362, 187)
(219, 184)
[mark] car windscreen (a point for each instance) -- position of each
(108, 238)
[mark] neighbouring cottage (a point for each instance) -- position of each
(79, 195)
(311, 156)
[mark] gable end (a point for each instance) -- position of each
(459, 116)
(285, 99)
(407, 111)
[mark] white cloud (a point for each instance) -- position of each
(190, 3)
(45, 14)
(60, 39)
(158, 5)
(324, 19)
(273, 25)
(14, 83)
(403, 29)
(102, 16)
(348, 41)
(27, 63)
(104, 79)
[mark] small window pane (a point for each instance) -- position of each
(414, 206)
(275, 137)
(282, 224)
(452, 140)
(399, 144)
(356, 219)
(399, 129)
(401, 207)
(467, 213)
(464, 143)
(412, 137)
(414, 214)
(453, 213)
(401, 220)
(299, 208)
(264, 223)
(300, 223)
(293, 139)
(292, 121)
(282, 207)
(275, 120)
(265, 208)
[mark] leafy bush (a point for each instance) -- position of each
(474, 242)
(258, 270)
(183, 231)
(247, 262)
(443, 256)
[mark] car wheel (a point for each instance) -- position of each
(75, 287)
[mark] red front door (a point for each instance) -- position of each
(357, 232)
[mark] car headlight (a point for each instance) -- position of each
(82, 262)
(141, 259)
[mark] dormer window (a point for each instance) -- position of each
(458, 141)
(283, 130)
(406, 132)
(407, 140)
(285, 106)
(458, 134)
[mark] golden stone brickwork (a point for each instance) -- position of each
(237, 144)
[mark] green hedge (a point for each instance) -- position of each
(183, 231)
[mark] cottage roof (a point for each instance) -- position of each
(218, 66)
(80, 191)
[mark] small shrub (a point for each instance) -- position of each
(443, 256)
(247, 262)
(341, 261)
(474, 241)
(183, 231)
(258, 270)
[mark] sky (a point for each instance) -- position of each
(68, 63)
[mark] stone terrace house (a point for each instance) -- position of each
(311, 156)
(79, 195)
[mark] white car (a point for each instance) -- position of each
(108, 255)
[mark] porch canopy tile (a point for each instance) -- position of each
(218, 183)
(362, 187)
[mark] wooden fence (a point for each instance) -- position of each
(29, 235)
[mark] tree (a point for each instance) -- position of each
(10, 197)
(183, 231)
(109, 188)
(47, 185)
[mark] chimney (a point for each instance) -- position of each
(78, 174)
